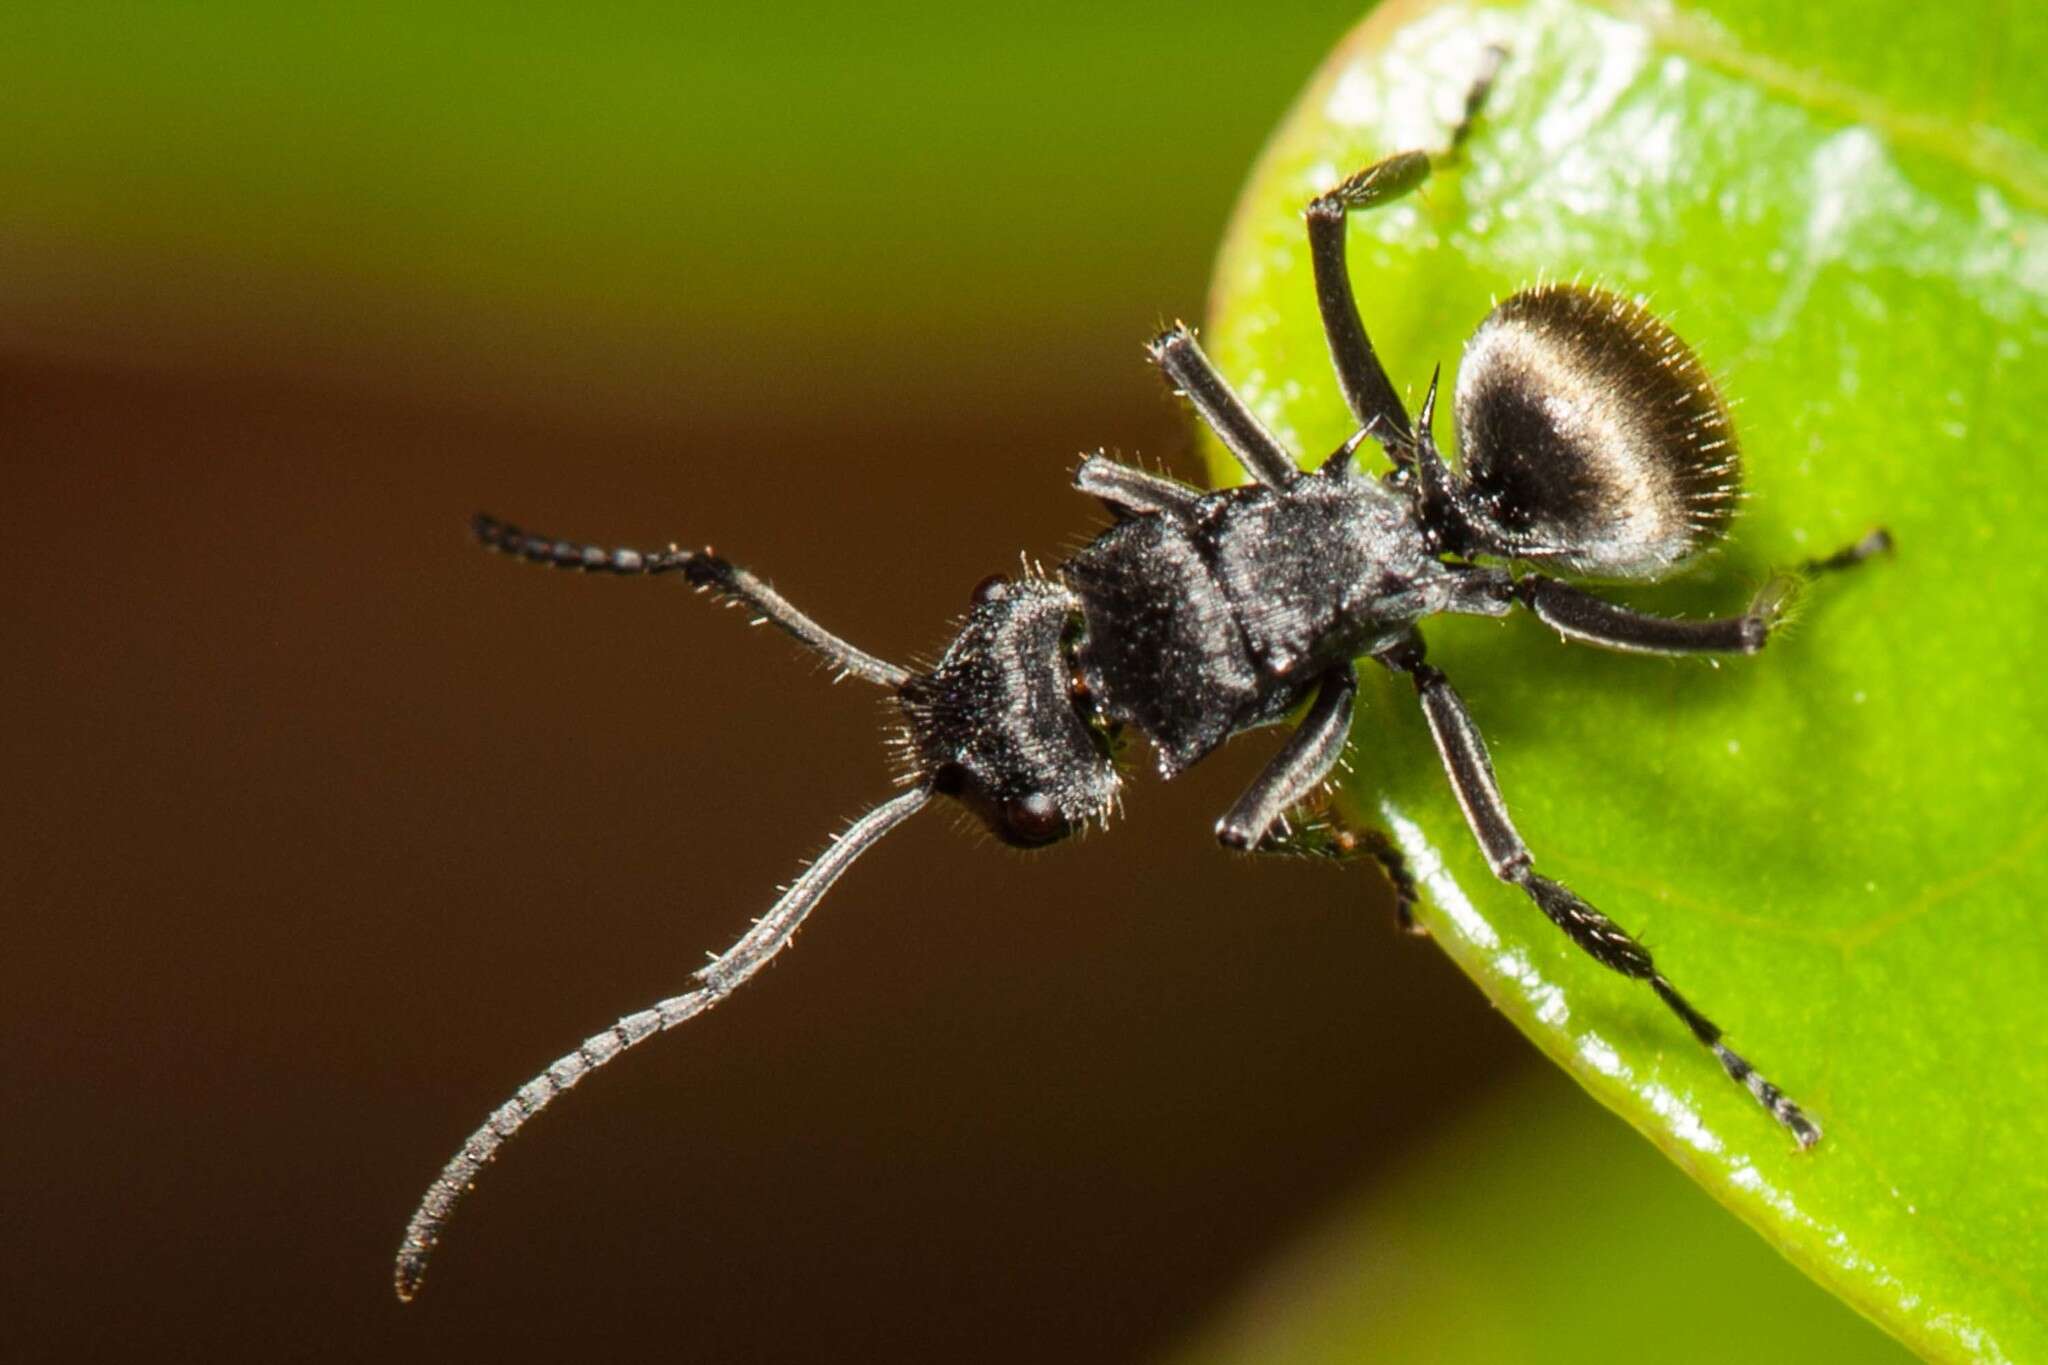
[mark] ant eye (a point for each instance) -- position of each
(1029, 821)
(1592, 436)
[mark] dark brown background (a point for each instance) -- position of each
(325, 830)
(333, 829)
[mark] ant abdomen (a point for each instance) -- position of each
(1591, 437)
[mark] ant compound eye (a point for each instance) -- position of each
(991, 589)
(1029, 821)
(1592, 436)
(950, 779)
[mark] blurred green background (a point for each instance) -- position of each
(326, 830)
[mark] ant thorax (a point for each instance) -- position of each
(1210, 618)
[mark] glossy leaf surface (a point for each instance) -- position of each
(1535, 1230)
(1834, 848)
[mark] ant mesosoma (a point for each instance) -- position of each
(1592, 442)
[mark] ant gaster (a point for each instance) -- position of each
(1592, 442)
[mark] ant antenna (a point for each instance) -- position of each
(705, 571)
(717, 979)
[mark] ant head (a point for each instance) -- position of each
(1591, 437)
(1000, 725)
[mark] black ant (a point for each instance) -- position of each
(1593, 442)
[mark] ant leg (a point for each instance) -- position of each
(1336, 838)
(1300, 766)
(1131, 491)
(1195, 377)
(1470, 771)
(1367, 390)
(704, 571)
(1377, 845)
(1326, 833)
(1580, 615)
(1876, 541)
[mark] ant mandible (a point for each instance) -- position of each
(1592, 442)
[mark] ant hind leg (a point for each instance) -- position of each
(1586, 617)
(1470, 770)
(1367, 389)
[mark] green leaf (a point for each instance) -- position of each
(1836, 848)
(1536, 1231)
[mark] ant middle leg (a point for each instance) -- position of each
(1195, 377)
(1299, 768)
(1470, 770)
(1342, 840)
(1367, 390)
(1580, 615)
(1351, 840)
(1324, 832)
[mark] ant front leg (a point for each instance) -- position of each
(1367, 389)
(1470, 770)
(1134, 492)
(1580, 615)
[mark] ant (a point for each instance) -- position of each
(1593, 443)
